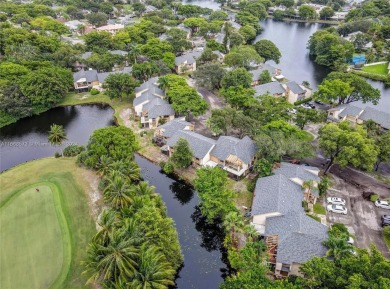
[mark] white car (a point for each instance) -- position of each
(335, 201)
(339, 209)
(292, 111)
(382, 204)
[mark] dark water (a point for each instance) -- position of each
(26, 139)
(201, 243)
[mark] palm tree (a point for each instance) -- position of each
(163, 83)
(117, 192)
(56, 134)
(128, 168)
(103, 166)
(251, 232)
(233, 223)
(338, 247)
(114, 261)
(107, 221)
(154, 272)
(134, 52)
(143, 189)
(132, 232)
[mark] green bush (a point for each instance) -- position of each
(305, 206)
(57, 155)
(303, 101)
(374, 197)
(386, 232)
(168, 168)
(73, 150)
(94, 91)
(251, 185)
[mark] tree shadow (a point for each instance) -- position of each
(182, 192)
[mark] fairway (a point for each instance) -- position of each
(44, 234)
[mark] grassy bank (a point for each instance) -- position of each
(286, 19)
(86, 97)
(49, 229)
(380, 69)
(373, 76)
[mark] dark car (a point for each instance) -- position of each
(385, 220)
(319, 102)
(311, 105)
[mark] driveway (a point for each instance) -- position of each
(363, 218)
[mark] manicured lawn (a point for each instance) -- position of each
(319, 209)
(314, 217)
(44, 234)
(377, 69)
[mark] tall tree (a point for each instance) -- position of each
(237, 77)
(56, 134)
(305, 116)
(347, 145)
(119, 85)
(383, 143)
(182, 156)
(268, 50)
(234, 224)
(117, 192)
(209, 75)
(243, 56)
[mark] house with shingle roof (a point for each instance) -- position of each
(291, 236)
(234, 155)
(272, 88)
(275, 73)
(296, 92)
(358, 115)
(187, 61)
(200, 145)
(167, 130)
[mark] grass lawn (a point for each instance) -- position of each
(44, 234)
(387, 240)
(319, 209)
(377, 69)
(314, 217)
(86, 97)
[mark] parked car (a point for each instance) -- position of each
(382, 204)
(350, 241)
(339, 209)
(385, 220)
(305, 105)
(292, 111)
(311, 105)
(319, 102)
(335, 201)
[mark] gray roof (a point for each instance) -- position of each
(276, 194)
(85, 55)
(163, 37)
(103, 75)
(271, 88)
(244, 148)
(146, 96)
(173, 126)
(299, 248)
(200, 145)
(181, 26)
(295, 87)
(380, 117)
(294, 222)
(119, 52)
(189, 57)
(150, 84)
(350, 109)
(73, 24)
(219, 37)
(297, 171)
(89, 75)
(158, 107)
(256, 72)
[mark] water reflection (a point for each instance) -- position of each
(182, 192)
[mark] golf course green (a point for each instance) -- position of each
(45, 225)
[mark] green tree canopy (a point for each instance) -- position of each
(307, 12)
(243, 56)
(237, 77)
(347, 145)
(209, 75)
(120, 85)
(268, 50)
(182, 156)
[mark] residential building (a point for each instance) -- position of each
(275, 73)
(272, 88)
(236, 156)
(358, 115)
(167, 130)
(200, 145)
(296, 92)
(220, 55)
(219, 37)
(74, 25)
(291, 236)
(181, 26)
(187, 61)
(156, 111)
(112, 28)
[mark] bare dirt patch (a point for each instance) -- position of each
(93, 193)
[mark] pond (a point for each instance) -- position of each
(201, 243)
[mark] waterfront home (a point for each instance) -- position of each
(291, 236)
(187, 61)
(111, 28)
(358, 115)
(296, 92)
(167, 130)
(236, 156)
(272, 88)
(200, 145)
(275, 73)
(155, 112)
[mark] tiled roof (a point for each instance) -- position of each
(173, 126)
(295, 87)
(276, 194)
(149, 84)
(146, 96)
(271, 88)
(189, 57)
(244, 148)
(158, 107)
(200, 145)
(299, 248)
(350, 109)
(380, 117)
(297, 171)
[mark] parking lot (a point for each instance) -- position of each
(363, 218)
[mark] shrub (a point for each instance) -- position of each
(374, 197)
(73, 150)
(94, 91)
(323, 186)
(168, 168)
(303, 101)
(57, 155)
(251, 185)
(386, 232)
(305, 206)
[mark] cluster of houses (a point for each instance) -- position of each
(291, 236)
(232, 154)
(338, 15)
(358, 115)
